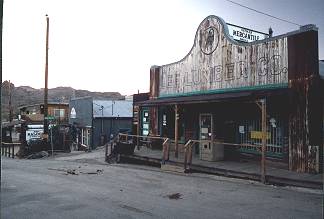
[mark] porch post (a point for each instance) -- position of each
(138, 126)
(264, 138)
(176, 118)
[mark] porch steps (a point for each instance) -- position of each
(172, 168)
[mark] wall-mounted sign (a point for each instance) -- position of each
(217, 64)
(258, 135)
(241, 129)
(73, 113)
(245, 35)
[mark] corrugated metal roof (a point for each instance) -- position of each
(112, 108)
(208, 98)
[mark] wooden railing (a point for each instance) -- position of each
(188, 148)
(8, 149)
(166, 150)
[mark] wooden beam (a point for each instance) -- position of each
(264, 139)
(176, 131)
(138, 126)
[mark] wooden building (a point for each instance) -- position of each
(34, 114)
(215, 92)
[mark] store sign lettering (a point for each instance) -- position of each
(219, 73)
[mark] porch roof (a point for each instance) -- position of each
(217, 97)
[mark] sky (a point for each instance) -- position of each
(109, 46)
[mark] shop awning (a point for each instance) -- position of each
(219, 97)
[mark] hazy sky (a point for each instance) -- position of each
(102, 45)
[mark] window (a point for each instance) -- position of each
(86, 136)
(59, 113)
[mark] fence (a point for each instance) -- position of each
(8, 149)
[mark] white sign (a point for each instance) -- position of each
(244, 34)
(241, 129)
(73, 113)
(33, 134)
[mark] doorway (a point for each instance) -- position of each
(205, 135)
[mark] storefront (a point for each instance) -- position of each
(217, 93)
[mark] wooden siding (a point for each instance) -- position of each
(218, 64)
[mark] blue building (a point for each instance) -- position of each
(96, 121)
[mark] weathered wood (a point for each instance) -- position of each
(264, 139)
(305, 126)
(176, 130)
(154, 81)
(216, 63)
(46, 79)
(154, 121)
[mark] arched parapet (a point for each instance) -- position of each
(217, 63)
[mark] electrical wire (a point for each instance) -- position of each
(269, 15)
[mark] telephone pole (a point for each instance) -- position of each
(10, 112)
(46, 81)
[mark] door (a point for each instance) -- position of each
(205, 134)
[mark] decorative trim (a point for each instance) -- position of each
(227, 90)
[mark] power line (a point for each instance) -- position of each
(269, 15)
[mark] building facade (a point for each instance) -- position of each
(97, 121)
(215, 94)
(35, 113)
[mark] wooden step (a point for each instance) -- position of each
(172, 168)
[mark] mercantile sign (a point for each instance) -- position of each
(245, 35)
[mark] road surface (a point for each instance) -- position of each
(83, 186)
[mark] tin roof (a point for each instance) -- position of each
(112, 108)
(218, 97)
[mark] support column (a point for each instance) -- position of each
(138, 127)
(176, 131)
(264, 139)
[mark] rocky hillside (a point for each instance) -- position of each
(25, 95)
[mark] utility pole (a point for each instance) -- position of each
(46, 81)
(10, 111)
(10, 103)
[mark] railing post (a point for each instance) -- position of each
(190, 153)
(168, 149)
(106, 151)
(186, 159)
(185, 156)
(176, 131)
(13, 151)
(165, 149)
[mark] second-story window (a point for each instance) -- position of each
(59, 113)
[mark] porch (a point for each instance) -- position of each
(276, 173)
(161, 152)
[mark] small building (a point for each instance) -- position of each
(99, 120)
(33, 127)
(215, 93)
(34, 114)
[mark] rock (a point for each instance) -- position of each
(37, 155)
